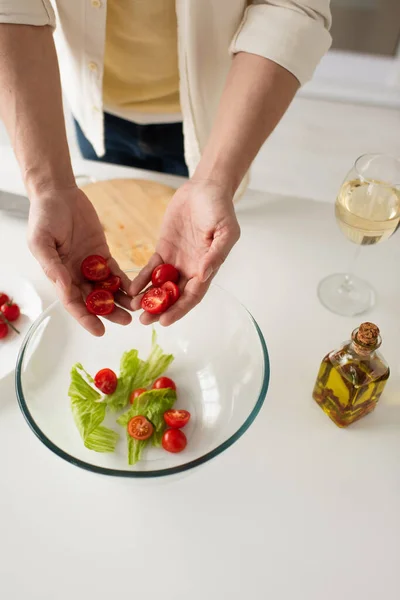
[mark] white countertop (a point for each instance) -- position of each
(297, 509)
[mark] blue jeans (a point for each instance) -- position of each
(157, 147)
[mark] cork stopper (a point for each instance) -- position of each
(367, 335)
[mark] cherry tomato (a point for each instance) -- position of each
(176, 418)
(100, 302)
(164, 273)
(106, 381)
(10, 311)
(140, 428)
(3, 330)
(155, 301)
(95, 268)
(3, 298)
(164, 382)
(136, 393)
(174, 440)
(112, 284)
(172, 290)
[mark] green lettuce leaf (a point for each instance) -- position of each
(102, 439)
(88, 412)
(135, 449)
(136, 373)
(129, 366)
(153, 367)
(151, 405)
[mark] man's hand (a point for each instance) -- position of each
(198, 232)
(63, 229)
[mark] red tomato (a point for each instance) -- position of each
(10, 311)
(3, 330)
(106, 381)
(176, 418)
(3, 298)
(140, 428)
(164, 273)
(155, 301)
(174, 440)
(95, 268)
(164, 382)
(112, 284)
(136, 393)
(100, 302)
(172, 290)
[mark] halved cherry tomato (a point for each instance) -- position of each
(164, 273)
(140, 428)
(164, 382)
(136, 393)
(3, 298)
(3, 330)
(176, 418)
(10, 311)
(174, 440)
(172, 290)
(95, 268)
(112, 284)
(106, 381)
(155, 301)
(100, 302)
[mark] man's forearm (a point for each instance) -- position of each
(256, 96)
(31, 106)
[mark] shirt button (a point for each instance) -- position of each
(96, 3)
(95, 109)
(92, 66)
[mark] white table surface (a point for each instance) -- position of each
(297, 509)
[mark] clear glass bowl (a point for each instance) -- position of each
(221, 369)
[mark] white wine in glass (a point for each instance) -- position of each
(367, 211)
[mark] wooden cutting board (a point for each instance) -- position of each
(131, 212)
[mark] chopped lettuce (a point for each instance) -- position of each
(135, 449)
(89, 407)
(102, 439)
(89, 412)
(151, 405)
(137, 373)
(128, 368)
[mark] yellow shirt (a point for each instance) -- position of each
(141, 57)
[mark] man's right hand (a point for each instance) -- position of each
(63, 230)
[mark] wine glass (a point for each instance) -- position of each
(367, 211)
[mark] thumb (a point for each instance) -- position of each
(216, 255)
(50, 261)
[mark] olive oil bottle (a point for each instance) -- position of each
(351, 380)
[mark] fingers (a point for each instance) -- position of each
(222, 244)
(148, 319)
(144, 277)
(71, 295)
(115, 270)
(119, 316)
(193, 293)
(74, 304)
(123, 300)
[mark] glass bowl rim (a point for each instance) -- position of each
(140, 474)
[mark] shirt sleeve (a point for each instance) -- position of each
(292, 33)
(27, 12)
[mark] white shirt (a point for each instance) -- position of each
(292, 33)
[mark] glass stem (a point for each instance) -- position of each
(347, 284)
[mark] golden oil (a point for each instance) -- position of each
(351, 380)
